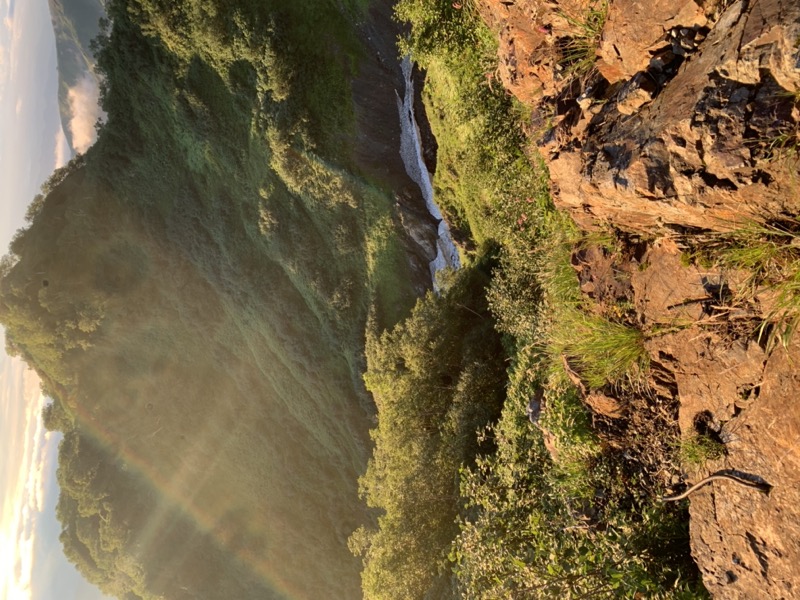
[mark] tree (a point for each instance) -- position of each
(437, 379)
(56, 417)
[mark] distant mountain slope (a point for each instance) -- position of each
(76, 23)
(194, 292)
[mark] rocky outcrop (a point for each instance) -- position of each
(698, 154)
(690, 120)
(637, 31)
(746, 543)
(523, 66)
(531, 34)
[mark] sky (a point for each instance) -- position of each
(32, 144)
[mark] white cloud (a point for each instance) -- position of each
(24, 493)
(62, 150)
(84, 106)
(14, 50)
(3, 68)
(18, 107)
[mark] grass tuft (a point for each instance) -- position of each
(579, 51)
(771, 253)
(602, 351)
(698, 449)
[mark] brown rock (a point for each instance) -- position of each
(605, 405)
(550, 444)
(634, 100)
(529, 35)
(634, 30)
(711, 373)
(525, 53)
(599, 275)
(747, 544)
(611, 72)
(669, 294)
(695, 156)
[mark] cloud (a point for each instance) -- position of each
(8, 20)
(62, 150)
(18, 107)
(85, 109)
(23, 500)
(16, 48)
(3, 67)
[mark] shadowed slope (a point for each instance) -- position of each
(194, 293)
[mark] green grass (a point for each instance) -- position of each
(698, 449)
(535, 530)
(578, 54)
(770, 253)
(603, 352)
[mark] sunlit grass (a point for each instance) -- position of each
(602, 351)
(770, 253)
(578, 54)
(696, 450)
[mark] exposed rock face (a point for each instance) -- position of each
(746, 543)
(696, 155)
(635, 31)
(528, 32)
(681, 130)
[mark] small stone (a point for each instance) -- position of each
(534, 408)
(605, 405)
(633, 101)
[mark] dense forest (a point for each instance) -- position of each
(221, 300)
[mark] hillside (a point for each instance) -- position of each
(194, 292)
(76, 23)
(228, 299)
(641, 183)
